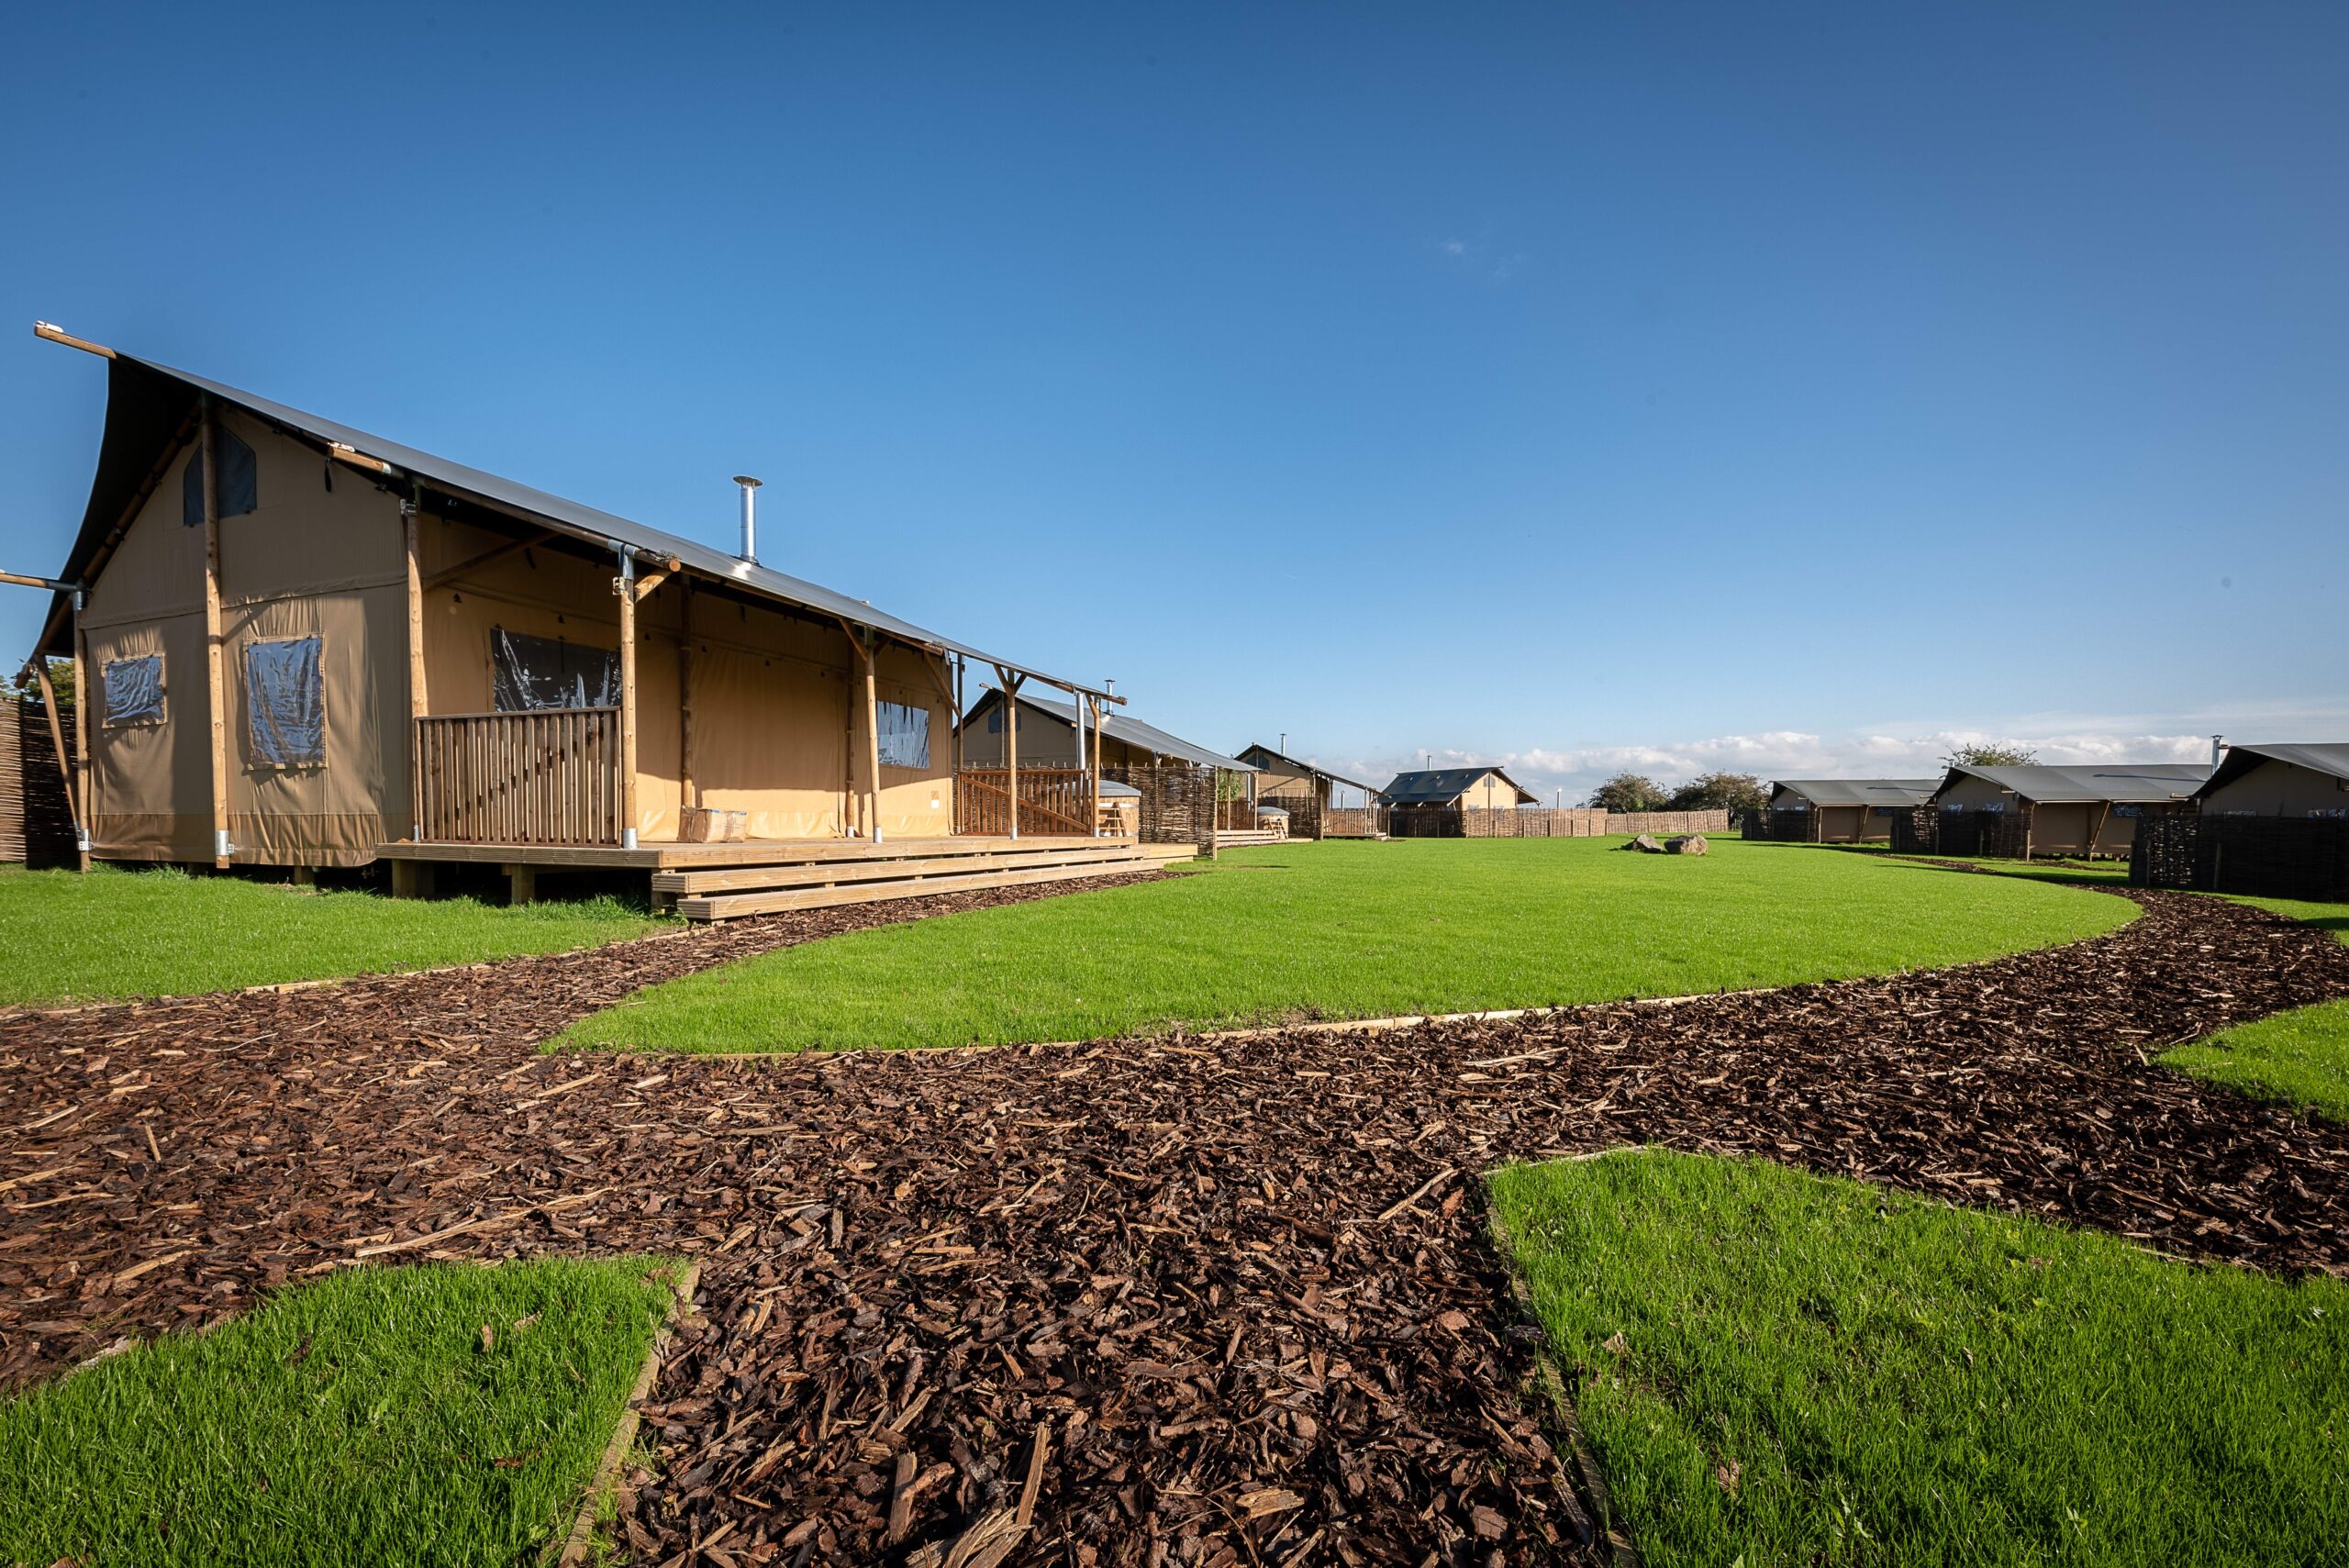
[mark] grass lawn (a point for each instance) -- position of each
(362, 1419)
(2299, 1059)
(116, 933)
(1779, 1368)
(1357, 930)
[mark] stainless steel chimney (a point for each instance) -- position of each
(2218, 746)
(750, 551)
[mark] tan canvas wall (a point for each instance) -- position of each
(1044, 741)
(2277, 789)
(307, 560)
(1276, 782)
(1841, 824)
(1501, 795)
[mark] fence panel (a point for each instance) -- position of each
(1054, 802)
(544, 777)
(1179, 801)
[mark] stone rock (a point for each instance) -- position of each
(1694, 844)
(1645, 845)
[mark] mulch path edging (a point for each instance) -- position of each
(607, 1468)
(1247, 1285)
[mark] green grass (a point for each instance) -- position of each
(114, 933)
(1358, 930)
(1777, 1368)
(2299, 1058)
(357, 1419)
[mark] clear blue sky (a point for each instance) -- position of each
(1785, 386)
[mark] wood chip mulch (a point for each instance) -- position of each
(1175, 1301)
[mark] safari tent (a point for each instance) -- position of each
(305, 645)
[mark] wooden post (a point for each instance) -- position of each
(625, 585)
(1010, 690)
(215, 687)
(521, 882)
(686, 795)
(1094, 708)
(868, 645)
(86, 814)
(956, 817)
(411, 515)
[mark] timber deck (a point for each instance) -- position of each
(719, 882)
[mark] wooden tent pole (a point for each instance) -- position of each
(1010, 691)
(625, 586)
(411, 515)
(87, 782)
(1094, 708)
(869, 647)
(215, 685)
(685, 794)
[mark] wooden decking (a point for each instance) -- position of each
(717, 882)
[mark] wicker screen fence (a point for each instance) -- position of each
(1178, 804)
(36, 815)
(1541, 822)
(2273, 857)
(1987, 835)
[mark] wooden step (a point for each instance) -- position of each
(725, 906)
(784, 873)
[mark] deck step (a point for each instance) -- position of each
(787, 872)
(727, 906)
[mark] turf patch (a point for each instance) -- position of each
(1359, 931)
(111, 933)
(1775, 1367)
(444, 1413)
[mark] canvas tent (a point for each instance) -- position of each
(2306, 779)
(1843, 811)
(306, 642)
(2086, 809)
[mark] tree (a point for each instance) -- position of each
(1990, 754)
(1629, 792)
(1719, 792)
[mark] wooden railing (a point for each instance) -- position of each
(551, 777)
(1054, 802)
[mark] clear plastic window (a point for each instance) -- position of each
(904, 734)
(285, 703)
(528, 673)
(134, 689)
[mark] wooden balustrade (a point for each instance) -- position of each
(1054, 802)
(548, 777)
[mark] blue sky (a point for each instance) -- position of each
(1781, 387)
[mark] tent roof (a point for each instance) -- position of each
(1859, 792)
(1434, 786)
(1265, 757)
(2125, 784)
(2328, 757)
(149, 403)
(1122, 727)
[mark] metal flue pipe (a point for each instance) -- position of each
(2218, 749)
(750, 551)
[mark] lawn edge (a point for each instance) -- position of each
(15, 1011)
(1591, 1499)
(606, 1475)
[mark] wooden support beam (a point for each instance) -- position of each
(411, 517)
(411, 879)
(521, 882)
(686, 795)
(624, 585)
(215, 683)
(343, 452)
(871, 649)
(653, 579)
(59, 335)
(21, 581)
(954, 817)
(1010, 705)
(86, 811)
(1096, 709)
(475, 562)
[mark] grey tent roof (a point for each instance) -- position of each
(2125, 784)
(1122, 727)
(1439, 786)
(1859, 792)
(149, 403)
(2328, 757)
(1265, 757)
